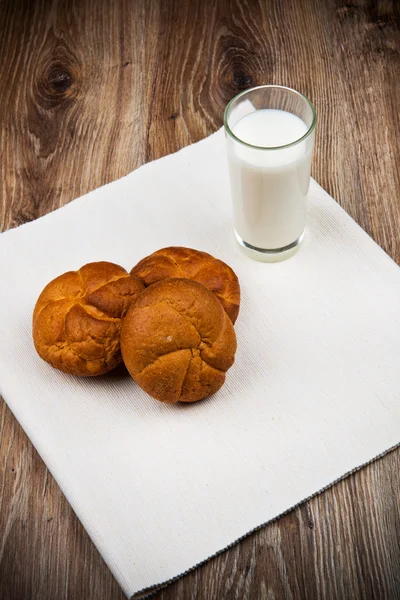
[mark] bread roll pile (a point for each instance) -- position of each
(170, 320)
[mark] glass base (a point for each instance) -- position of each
(268, 255)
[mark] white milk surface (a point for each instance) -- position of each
(269, 186)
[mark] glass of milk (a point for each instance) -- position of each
(270, 138)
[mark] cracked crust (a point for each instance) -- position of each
(78, 316)
(177, 342)
(188, 263)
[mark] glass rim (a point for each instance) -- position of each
(281, 87)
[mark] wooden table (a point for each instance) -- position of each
(90, 90)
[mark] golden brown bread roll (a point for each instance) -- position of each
(77, 318)
(177, 342)
(188, 263)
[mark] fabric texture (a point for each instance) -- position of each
(314, 392)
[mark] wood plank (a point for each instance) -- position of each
(90, 90)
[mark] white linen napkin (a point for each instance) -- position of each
(314, 392)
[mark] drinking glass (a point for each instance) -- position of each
(269, 138)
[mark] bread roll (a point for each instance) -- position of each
(177, 342)
(176, 261)
(77, 318)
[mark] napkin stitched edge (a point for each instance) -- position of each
(150, 591)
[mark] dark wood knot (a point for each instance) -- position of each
(58, 84)
(59, 79)
(242, 81)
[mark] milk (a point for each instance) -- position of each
(269, 187)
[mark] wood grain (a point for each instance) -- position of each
(90, 90)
